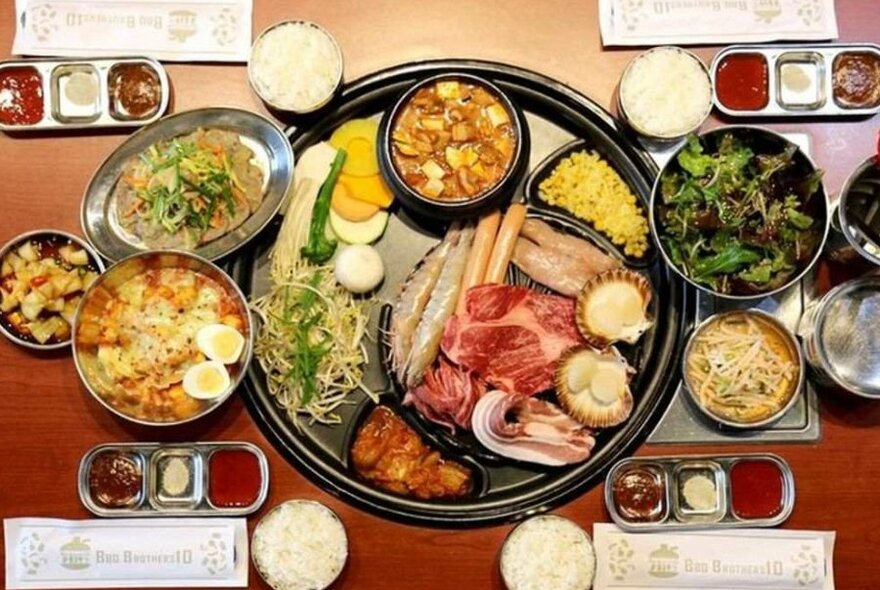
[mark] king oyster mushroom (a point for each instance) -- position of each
(593, 386)
(613, 307)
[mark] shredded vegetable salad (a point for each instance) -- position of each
(189, 183)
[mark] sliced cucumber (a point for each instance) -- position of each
(359, 232)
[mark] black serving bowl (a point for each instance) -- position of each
(761, 141)
(488, 199)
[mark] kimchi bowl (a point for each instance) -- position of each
(140, 342)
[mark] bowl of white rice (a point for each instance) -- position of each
(665, 93)
(299, 545)
(548, 553)
(295, 66)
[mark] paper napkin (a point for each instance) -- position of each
(169, 30)
(126, 552)
(714, 22)
(741, 559)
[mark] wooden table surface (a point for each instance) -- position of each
(47, 420)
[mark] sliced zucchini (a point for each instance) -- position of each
(359, 232)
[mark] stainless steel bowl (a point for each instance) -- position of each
(793, 346)
(542, 517)
(254, 553)
(769, 138)
(839, 337)
(286, 108)
(858, 210)
(95, 298)
(621, 106)
(19, 240)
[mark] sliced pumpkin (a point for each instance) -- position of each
(371, 189)
(358, 138)
(350, 208)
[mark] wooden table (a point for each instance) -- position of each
(48, 420)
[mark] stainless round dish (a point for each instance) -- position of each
(769, 139)
(566, 582)
(258, 530)
(641, 130)
(98, 214)
(839, 335)
(858, 210)
(19, 240)
(793, 347)
(255, 86)
(85, 351)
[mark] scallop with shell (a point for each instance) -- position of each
(593, 386)
(613, 307)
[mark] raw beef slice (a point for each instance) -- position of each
(512, 336)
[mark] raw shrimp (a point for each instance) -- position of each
(441, 306)
(412, 301)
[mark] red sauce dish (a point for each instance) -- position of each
(742, 82)
(234, 478)
(115, 479)
(757, 489)
(135, 90)
(21, 96)
(639, 494)
(856, 79)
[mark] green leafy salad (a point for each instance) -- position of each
(736, 220)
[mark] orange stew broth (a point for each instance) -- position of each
(453, 140)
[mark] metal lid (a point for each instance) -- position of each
(847, 329)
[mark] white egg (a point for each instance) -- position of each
(359, 268)
(206, 380)
(220, 343)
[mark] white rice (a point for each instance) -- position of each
(295, 66)
(666, 92)
(548, 553)
(300, 545)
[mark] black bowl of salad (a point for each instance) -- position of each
(740, 212)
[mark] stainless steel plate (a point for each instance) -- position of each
(98, 214)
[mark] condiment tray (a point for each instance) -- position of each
(736, 491)
(821, 63)
(155, 492)
(60, 112)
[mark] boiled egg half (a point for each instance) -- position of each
(220, 343)
(206, 380)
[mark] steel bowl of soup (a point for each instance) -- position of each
(452, 146)
(162, 338)
(743, 368)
